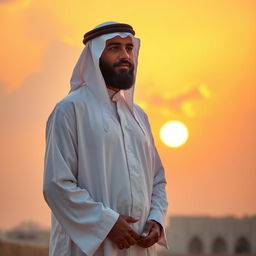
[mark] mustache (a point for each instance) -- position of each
(122, 62)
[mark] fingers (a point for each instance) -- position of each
(153, 236)
(131, 240)
(147, 229)
(122, 234)
(132, 232)
(126, 242)
(148, 241)
(129, 236)
(150, 235)
(134, 235)
(123, 244)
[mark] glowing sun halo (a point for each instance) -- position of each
(174, 134)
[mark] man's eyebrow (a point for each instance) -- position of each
(113, 43)
(117, 43)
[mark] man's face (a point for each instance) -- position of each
(117, 63)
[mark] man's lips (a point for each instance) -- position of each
(124, 66)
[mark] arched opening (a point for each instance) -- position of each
(195, 245)
(219, 246)
(242, 245)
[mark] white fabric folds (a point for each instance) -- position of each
(100, 161)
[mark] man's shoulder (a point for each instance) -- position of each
(74, 98)
(70, 104)
(140, 110)
(141, 114)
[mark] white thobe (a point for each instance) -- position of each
(100, 163)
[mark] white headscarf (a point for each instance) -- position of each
(87, 71)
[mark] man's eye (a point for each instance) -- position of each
(114, 48)
(129, 48)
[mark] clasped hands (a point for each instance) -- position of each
(124, 236)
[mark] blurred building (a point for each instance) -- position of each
(208, 235)
(185, 235)
(27, 233)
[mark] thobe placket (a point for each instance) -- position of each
(127, 120)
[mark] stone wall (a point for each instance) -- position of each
(208, 235)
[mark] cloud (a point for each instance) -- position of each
(28, 34)
(30, 104)
(197, 92)
(183, 101)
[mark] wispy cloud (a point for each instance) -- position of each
(28, 32)
(31, 103)
(183, 101)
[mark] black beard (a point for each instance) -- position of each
(123, 80)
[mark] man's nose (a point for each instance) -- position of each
(124, 54)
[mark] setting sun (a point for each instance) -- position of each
(174, 133)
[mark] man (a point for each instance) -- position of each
(104, 181)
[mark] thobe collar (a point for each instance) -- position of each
(114, 95)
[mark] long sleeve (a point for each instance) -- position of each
(159, 204)
(86, 221)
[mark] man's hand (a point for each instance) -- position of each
(151, 234)
(122, 234)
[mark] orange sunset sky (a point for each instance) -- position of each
(196, 65)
